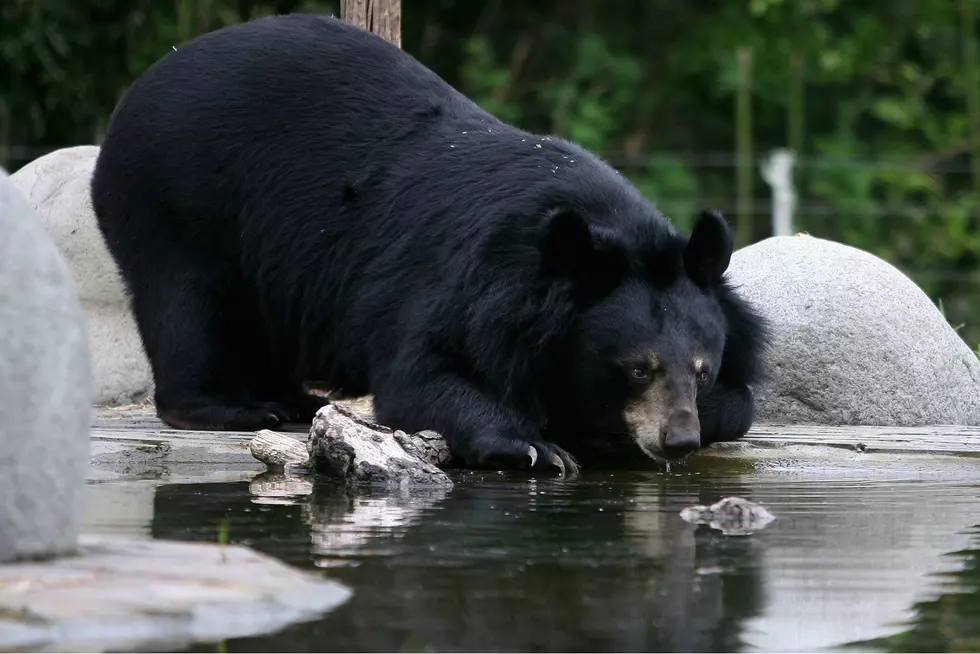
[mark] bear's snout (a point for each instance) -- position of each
(666, 428)
(681, 434)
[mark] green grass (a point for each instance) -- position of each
(956, 328)
(942, 310)
(223, 538)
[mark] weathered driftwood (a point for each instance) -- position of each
(280, 451)
(345, 446)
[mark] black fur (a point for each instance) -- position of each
(294, 199)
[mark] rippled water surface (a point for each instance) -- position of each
(604, 562)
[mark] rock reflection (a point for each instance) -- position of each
(344, 523)
(273, 487)
(545, 565)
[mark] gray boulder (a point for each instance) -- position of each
(57, 186)
(856, 342)
(45, 395)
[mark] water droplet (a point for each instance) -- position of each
(667, 466)
(537, 145)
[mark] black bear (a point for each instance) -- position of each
(295, 202)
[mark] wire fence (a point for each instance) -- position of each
(958, 287)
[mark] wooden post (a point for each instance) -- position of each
(971, 70)
(778, 173)
(745, 170)
(796, 119)
(383, 17)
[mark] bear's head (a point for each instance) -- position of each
(649, 332)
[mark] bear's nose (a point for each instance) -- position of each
(680, 442)
(681, 435)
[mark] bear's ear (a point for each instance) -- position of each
(572, 250)
(709, 250)
(565, 243)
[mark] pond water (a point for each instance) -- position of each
(604, 563)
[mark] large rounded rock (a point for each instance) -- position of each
(856, 342)
(57, 186)
(45, 389)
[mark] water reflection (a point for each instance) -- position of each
(345, 525)
(505, 563)
(949, 622)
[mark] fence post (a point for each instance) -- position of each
(778, 173)
(383, 17)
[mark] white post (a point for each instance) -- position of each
(777, 171)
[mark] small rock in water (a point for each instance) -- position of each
(733, 516)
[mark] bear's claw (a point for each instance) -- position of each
(495, 450)
(559, 458)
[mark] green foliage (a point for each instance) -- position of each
(486, 82)
(881, 99)
(673, 187)
(590, 101)
(588, 106)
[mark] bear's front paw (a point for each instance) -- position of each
(300, 407)
(493, 450)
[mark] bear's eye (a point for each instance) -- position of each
(703, 377)
(639, 372)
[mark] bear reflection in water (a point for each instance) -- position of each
(500, 566)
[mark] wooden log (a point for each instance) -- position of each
(279, 451)
(350, 448)
(346, 447)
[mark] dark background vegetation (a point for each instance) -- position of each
(880, 99)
